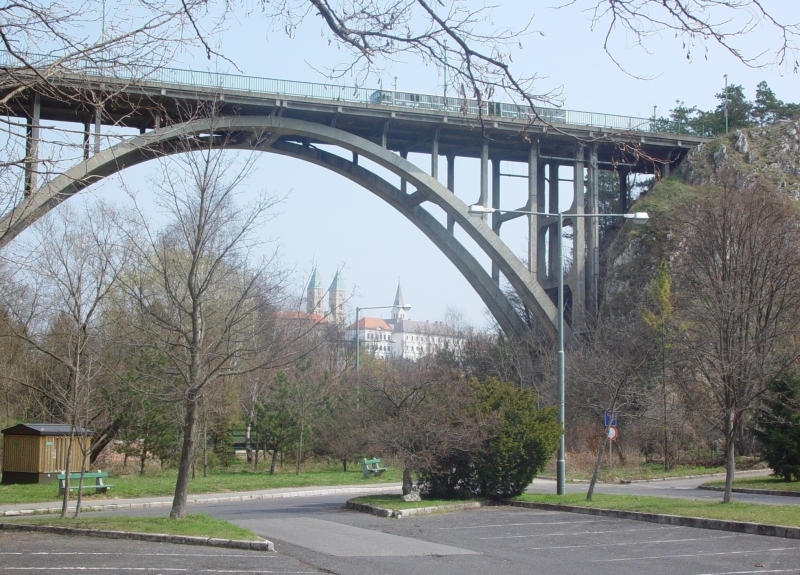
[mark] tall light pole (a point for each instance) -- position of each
(358, 312)
(637, 218)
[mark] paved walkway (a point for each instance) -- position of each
(680, 488)
(113, 504)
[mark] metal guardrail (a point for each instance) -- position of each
(273, 87)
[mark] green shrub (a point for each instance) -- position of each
(777, 427)
(524, 439)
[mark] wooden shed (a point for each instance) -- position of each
(37, 452)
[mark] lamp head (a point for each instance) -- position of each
(639, 218)
(480, 209)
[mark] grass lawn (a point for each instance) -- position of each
(197, 524)
(394, 502)
(772, 483)
(644, 471)
(771, 514)
(219, 481)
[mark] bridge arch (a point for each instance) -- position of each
(291, 137)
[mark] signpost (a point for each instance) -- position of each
(610, 421)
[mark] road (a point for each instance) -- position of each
(677, 488)
(317, 535)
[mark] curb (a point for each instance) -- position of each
(263, 545)
(653, 479)
(201, 501)
(699, 522)
(400, 513)
(774, 492)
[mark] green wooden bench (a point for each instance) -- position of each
(74, 480)
(371, 467)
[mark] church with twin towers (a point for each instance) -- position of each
(315, 299)
(390, 338)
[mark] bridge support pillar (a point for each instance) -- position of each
(435, 155)
(403, 183)
(534, 205)
(553, 207)
(451, 185)
(484, 196)
(496, 218)
(98, 120)
(577, 274)
(32, 147)
(593, 241)
(86, 138)
(665, 170)
(623, 188)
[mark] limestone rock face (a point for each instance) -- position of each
(769, 154)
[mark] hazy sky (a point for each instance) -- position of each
(330, 222)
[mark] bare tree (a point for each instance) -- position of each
(739, 281)
(419, 415)
(58, 311)
(202, 302)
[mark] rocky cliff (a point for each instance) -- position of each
(629, 258)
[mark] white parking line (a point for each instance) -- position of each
(582, 532)
(748, 572)
(159, 569)
(122, 553)
(525, 524)
(596, 545)
(747, 552)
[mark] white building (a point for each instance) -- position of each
(400, 337)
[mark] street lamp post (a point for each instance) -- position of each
(637, 218)
(358, 312)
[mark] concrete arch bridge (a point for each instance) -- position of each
(293, 119)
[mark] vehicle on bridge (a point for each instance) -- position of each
(467, 106)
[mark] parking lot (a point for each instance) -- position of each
(317, 535)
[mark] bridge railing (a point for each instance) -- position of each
(93, 68)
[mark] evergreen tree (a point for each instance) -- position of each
(777, 427)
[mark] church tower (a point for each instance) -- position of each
(336, 299)
(315, 295)
(398, 311)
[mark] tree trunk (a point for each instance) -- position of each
(185, 465)
(407, 482)
(65, 501)
(247, 447)
(344, 464)
(272, 463)
(730, 461)
(80, 485)
(666, 420)
(142, 457)
(299, 452)
(205, 441)
(597, 465)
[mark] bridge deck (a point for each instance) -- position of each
(407, 121)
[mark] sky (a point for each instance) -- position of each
(328, 222)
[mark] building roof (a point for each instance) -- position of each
(424, 327)
(337, 284)
(313, 318)
(43, 429)
(314, 282)
(371, 323)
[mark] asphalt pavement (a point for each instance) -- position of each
(315, 534)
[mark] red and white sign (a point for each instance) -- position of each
(612, 433)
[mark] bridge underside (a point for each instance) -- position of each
(296, 126)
